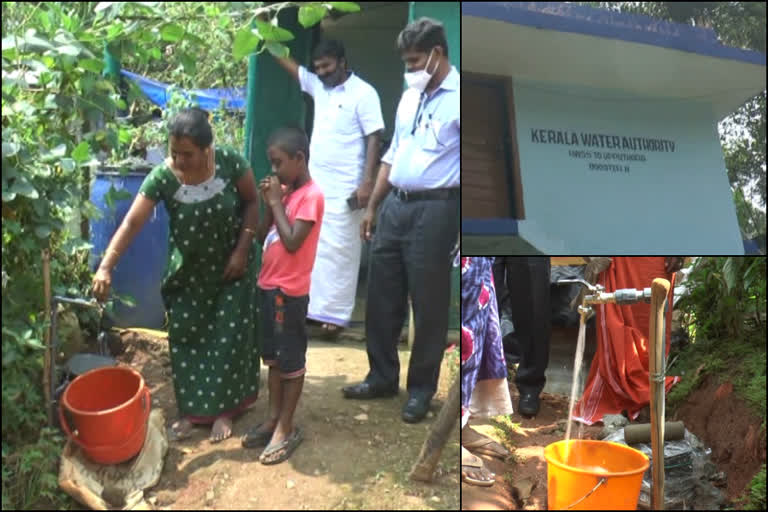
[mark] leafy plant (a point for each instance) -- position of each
(59, 114)
(727, 296)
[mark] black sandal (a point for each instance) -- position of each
(284, 448)
(255, 438)
(331, 331)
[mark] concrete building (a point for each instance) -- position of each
(589, 131)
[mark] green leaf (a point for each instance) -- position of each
(277, 49)
(113, 31)
(345, 6)
(43, 231)
(8, 196)
(68, 49)
(50, 102)
(310, 15)
(270, 32)
(155, 53)
(24, 188)
(54, 154)
(246, 42)
(113, 195)
(171, 32)
(33, 43)
(9, 358)
(94, 65)
(10, 149)
(190, 65)
(67, 164)
(82, 152)
(125, 135)
(75, 245)
(34, 343)
(45, 20)
(10, 332)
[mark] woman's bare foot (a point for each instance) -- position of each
(222, 429)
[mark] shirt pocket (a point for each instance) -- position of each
(345, 121)
(438, 135)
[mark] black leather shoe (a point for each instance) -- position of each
(365, 391)
(528, 404)
(416, 408)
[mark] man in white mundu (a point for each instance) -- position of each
(343, 156)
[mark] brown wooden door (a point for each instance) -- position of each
(484, 185)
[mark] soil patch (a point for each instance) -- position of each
(522, 484)
(355, 454)
(725, 423)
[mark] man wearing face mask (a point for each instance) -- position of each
(345, 152)
(417, 223)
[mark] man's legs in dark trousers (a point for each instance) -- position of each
(528, 283)
(387, 300)
(431, 235)
(503, 301)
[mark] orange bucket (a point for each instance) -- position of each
(109, 408)
(593, 475)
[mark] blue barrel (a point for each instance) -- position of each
(139, 272)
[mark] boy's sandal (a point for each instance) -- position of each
(283, 450)
(255, 437)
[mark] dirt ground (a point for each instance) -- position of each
(723, 421)
(726, 424)
(355, 454)
(522, 485)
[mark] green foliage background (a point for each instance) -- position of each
(59, 110)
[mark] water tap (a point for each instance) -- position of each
(622, 296)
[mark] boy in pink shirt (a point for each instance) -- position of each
(290, 231)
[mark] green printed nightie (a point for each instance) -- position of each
(211, 323)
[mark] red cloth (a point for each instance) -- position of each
(288, 271)
(618, 378)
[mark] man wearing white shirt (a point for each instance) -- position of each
(417, 223)
(344, 152)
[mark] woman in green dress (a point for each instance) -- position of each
(209, 285)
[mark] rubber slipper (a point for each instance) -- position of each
(478, 443)
(255, 438)
(286, 447)
(471, 462)
(331, 331)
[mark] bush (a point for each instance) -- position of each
(727, 298)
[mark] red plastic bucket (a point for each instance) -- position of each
(109, 408)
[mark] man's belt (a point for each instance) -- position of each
(420, 195)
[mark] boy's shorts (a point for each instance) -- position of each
(284, 333)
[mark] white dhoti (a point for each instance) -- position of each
(337, 264)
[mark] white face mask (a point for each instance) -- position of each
(419, 79)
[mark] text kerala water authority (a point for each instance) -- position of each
(596, 142)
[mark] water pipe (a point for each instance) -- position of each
(656, 295)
